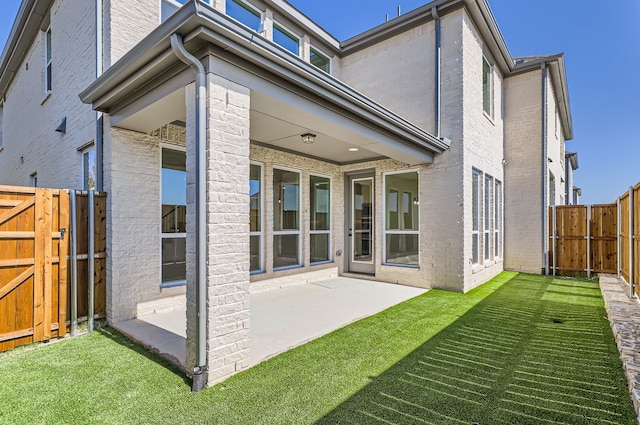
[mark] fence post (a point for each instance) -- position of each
(619, 236)
(631, 236)
(555, 239)
(74, 264)
(589, 242)
(90, 258)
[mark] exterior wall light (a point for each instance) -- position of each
(308, 138)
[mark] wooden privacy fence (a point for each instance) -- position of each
(46, 279)
(586, 239)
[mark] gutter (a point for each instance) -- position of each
(200, 368)
(436, 18)
(545, 171)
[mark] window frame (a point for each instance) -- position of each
(319, 52)
(262, 221)
(498, 217)
(251, 9)
(297, 232)
(487, 216)
(385, 231)
(487, 92)
(168, 284)
(287, 32)
(48, 61)
(328, 232)
(476, 196)
(85, 152)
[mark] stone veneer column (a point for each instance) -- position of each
(227, 228)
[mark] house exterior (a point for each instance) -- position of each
(537, 124)
(243, 148)
(570, 165)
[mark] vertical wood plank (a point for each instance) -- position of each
(24, 294)
(47, 274)
(63, 250)
(38, 275)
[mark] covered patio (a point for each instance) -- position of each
(281, 319)
(257, 202)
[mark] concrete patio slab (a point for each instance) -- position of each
(281, 319)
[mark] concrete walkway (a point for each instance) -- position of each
(281, 319)
(624, 316)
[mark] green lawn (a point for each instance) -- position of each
(520, 349)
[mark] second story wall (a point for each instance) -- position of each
(399, 73)
(126, 23)
(33, 150)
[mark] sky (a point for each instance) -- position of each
(601, 43)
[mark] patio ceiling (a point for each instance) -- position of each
(278, 125)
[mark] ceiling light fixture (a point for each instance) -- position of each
(308, 138)
(353, 149)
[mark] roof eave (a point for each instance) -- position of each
(26, 27)
(193, 17)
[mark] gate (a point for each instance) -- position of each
(36, 265)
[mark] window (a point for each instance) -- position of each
(286, 218)
(47, 61)
(34, 179)
(401, 230)
(320, 219)
(487, 87)
(169, 7)
(255, 212)
(475, 229)
(488, 201)
(286, 39)
(174, 217)
(89, 168)
(321, 61)
(245, 14)
(497, 243)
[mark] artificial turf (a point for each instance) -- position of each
(520, 349)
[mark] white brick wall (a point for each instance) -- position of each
(31, 144)
(126, 23)
(227, 229)
(483, 147)
(523, 192)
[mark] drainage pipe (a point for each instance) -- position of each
(91, 258)
(619, 236)
(200, 368)
(545, 211)
(99, 117)
(436, 19)
(74, 264)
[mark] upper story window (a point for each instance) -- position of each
(286, 39)
(47, 60)
(244, 13)
(487, 87)
(320, 60)
(169, 7)
(89, 168)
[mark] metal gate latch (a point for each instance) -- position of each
(62, 231)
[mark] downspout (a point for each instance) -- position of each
(200, 368)
(436, 18)
(99, 117)
(545, 171)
